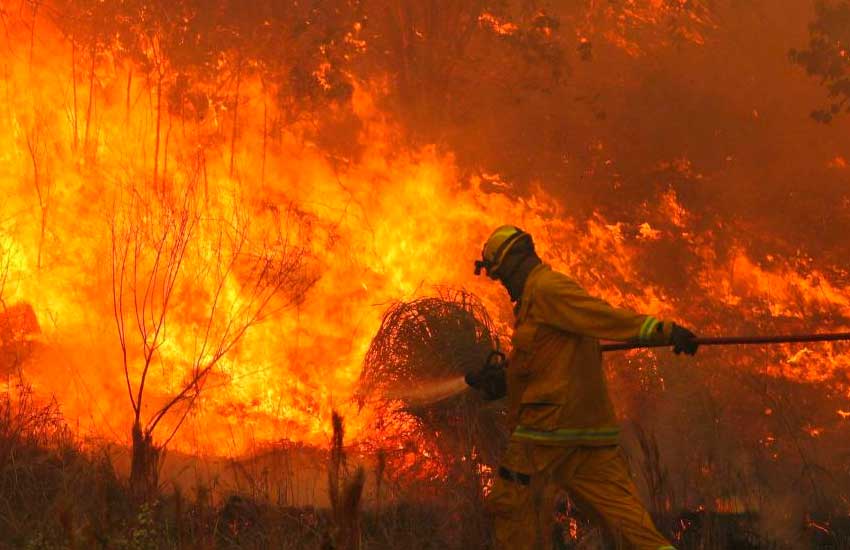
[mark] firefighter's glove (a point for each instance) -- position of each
(683, 340)
(490, 381)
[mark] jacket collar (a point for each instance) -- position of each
(528, 287)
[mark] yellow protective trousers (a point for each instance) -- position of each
(597, 479)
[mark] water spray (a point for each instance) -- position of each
(429, 392)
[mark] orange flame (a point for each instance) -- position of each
(387, 225)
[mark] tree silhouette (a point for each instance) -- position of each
(828, 56)
(176, 266)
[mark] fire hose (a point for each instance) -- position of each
(491, 383)
(737, 340)
(490, 380)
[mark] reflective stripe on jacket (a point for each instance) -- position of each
(557, 393)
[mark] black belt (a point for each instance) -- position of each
(516, 477)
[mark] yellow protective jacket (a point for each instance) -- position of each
(557, 394)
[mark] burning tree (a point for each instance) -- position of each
(174, 257)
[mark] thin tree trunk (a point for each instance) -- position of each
(32, 33)
(91, 102)
(235, 114)
(158, 125)
(265, 140)
(206, 177)
(165, 152)
(403, 45)
(32, 145)
(127, 99)
(8, 94)
(74, 86)
(144, 465)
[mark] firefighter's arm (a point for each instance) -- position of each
(490, 380)
(564, 304)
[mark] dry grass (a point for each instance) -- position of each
(55, 496)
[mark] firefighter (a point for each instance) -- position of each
(564, 430)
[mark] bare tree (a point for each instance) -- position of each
(175, 266)
(41, 178)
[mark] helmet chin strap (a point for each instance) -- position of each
(507, 276)
(514, 280)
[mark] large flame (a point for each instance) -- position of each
(387, 227)
(389, 224)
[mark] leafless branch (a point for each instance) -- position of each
(166, 251)
(119, 270)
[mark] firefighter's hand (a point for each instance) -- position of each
(683, 340)
(490, 381)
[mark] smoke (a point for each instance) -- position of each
(660, 152)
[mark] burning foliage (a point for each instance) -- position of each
(328, 157)
(429, 339)
(414, 367)
(419, 357)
